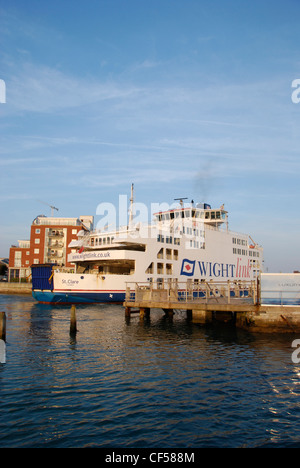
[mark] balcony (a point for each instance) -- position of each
(55, 234)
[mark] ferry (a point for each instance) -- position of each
(188, 242)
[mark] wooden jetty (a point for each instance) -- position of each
(237, 302)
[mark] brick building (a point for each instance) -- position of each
(49, 243)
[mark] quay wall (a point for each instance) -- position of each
(15, 288)
(272, 319)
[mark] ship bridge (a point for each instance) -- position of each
(202, 212)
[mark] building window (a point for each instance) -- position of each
(36, 251)
(36, 241)
(36, 261)
(37, 231)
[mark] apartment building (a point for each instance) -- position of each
(49, 243)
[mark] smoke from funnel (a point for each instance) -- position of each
(204, 181)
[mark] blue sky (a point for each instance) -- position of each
(182, 98)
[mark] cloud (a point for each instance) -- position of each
(45, 89)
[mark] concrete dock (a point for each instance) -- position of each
(207, 302)
(15, 288)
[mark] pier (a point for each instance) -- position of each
(237, 302)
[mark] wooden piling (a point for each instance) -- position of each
(144, 312)
(73, 327)
(169, 312)
(2, 326)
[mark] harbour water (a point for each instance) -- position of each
(154, 383)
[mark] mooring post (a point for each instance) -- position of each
(228, 291)
(2, 326)
(73, 328)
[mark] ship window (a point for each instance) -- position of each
(176, 240)
(169, 268)
(160, 268)
(213, 215)
(169, 254)
(207, 215)
(175, 254)
(150, 269)
(160, 253)
(218, 215)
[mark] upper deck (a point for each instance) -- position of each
(202, 212)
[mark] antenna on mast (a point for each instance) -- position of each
(131, 206)
(180, 200)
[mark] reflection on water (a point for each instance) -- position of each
(2, 352)
(156, 382)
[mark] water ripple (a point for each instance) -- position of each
(158, 383)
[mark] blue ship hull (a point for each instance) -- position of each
(43, 290)
(52, 297)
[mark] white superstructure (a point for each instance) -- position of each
(186, 243)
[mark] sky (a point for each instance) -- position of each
(188, 98)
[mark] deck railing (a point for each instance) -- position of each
(205, 291)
